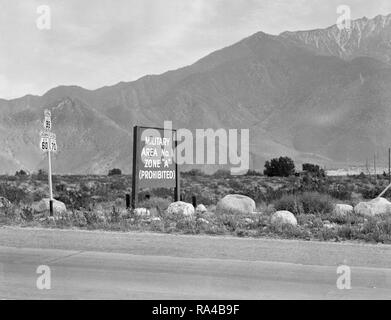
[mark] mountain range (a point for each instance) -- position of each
(320, 96)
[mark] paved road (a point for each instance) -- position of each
(108, 265)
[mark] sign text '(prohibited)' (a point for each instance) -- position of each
(156, 163)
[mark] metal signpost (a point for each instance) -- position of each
(154, 164)
(48, 144)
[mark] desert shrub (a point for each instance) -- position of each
(314, 202)
(27, 214)
(289, 231)
(340, 191)
(91, 217)
(310, 220)
(279, 167)
(42, 175)
(305, 203)
(115, 172)
(371, 192)
(377, 229)
(309, 182)
(118, 185)
(328, 234)
(114, 215)
(361, 175)
(12, 193)
(230, 222)
(37, 196)
(21, 173)
(346, 232)
(253, 173)
(193, 173)
(161, 204)
(269, 196)
(288, 202)
(236, 185)
(222, 173)
(60, 187)
(74, 199)
(314, 169)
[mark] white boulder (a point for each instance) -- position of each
(236, 203)
(374, 207)
(202, 221)
(5, 203)
(283, 218)
(44, 206)
(201, 208)
(142, 212)
(181, 208)
(249, 221)
(343, 209)
(328, 225)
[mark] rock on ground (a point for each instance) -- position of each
(142, 212)
(236, 203)
(283, 218)
(374, 207)
(343, 209)
(181, 208)
(249, 221)
(328, 225)
(44, 206)
(201, 208)
(5, 203)
(202, 220)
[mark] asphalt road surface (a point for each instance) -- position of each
(110, 265)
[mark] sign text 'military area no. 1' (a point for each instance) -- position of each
(155, 158)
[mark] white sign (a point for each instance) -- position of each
(53, 145)
(47, 123)
(47, 134)
(44, 144)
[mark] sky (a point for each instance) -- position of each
(94, 43)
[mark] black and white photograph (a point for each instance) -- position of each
(195, 154)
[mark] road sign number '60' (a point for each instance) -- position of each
(44, 144)
(48, 144)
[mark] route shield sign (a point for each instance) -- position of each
(53, 145)
(44, 144)
(48, 124)
(48, 120)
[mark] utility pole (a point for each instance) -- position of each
(374, 164)
(48, 143)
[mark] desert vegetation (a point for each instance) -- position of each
(98, 202)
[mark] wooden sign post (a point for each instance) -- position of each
(154, 160)
(48, 144)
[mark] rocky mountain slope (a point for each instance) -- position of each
(321, 96)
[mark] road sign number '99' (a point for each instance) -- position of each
(48, 123)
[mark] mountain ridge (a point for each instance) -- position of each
(298, 99)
